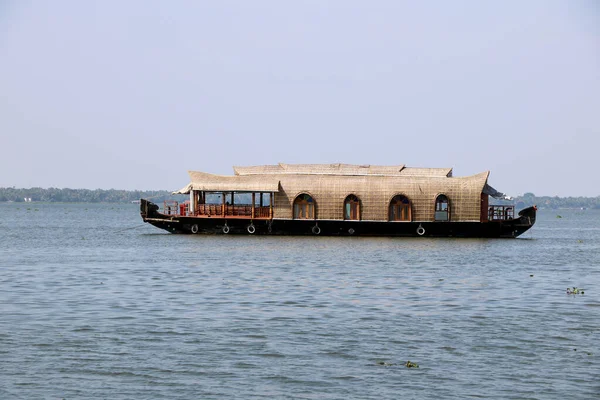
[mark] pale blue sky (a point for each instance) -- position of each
(132, 94)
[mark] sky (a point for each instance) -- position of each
(133, 94)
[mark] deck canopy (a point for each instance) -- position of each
(487, 189)
(206, 182)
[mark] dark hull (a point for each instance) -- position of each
(201, 225)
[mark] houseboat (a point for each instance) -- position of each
(340, 200)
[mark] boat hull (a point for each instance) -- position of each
(510, 228)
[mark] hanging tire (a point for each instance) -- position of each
(226, 229)
(351, 231)
(251, 229)
(316, 230)
(420, 230)
(194, 228)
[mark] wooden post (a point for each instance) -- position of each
(271, 205)
(253, 203)
(484, 207)
(223, 205)
(261, 204)
(192, 202)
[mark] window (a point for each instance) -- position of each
(304, 207)
(442, 208)
(400, 209)
(352, 208)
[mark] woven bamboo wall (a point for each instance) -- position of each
(375, 193)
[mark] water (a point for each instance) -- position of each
(96, 305)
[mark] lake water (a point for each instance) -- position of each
(96, 305)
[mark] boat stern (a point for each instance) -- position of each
(525, 221)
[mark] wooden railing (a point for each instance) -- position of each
(171, 207)
(209, 210)
(262, 212)
(501, 213)
(236, 211)
(174, 208)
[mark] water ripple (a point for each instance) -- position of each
(87, 313)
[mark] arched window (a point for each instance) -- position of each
(400, 209)
(352, 208)
(442, 208)
(304, 207)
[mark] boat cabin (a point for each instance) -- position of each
(341, 192)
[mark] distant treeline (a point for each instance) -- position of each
(84, 195)
(557, 202)
(127, 196)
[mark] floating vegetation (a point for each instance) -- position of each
(559, 216)
(588, 353)
(385, 364)
(408, 364)
(575, 290)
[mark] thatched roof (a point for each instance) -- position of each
(319, 169)
(217, 183)
(341, 169)
(429, 172)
